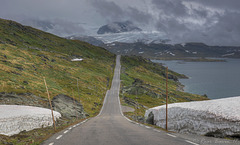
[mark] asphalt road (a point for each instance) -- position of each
(110, 127)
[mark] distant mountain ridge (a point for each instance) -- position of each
(162, 50)
(118, 27)
(88, 39)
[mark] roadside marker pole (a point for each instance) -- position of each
(50, 104)
(167, 98)
(74, 103)
(78, 91)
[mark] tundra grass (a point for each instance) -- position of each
(145, 83)
(27, 55)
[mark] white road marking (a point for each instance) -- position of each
(59, 137)
(147, 127)
(51, 143)
(70, 128)
(191, 142)
(171, 135)
(105, 98)
(156, 130)
(66, 131)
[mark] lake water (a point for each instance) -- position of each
(215, 79)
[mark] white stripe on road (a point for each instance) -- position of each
(59, 137)
(66, 131)
(147, 127)
(51, 143)
(191, 142)
(171, 135)
(156, 130)
(104, 102)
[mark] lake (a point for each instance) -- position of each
(215, 79)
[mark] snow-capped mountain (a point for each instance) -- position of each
(118, 27)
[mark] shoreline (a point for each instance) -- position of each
(188, 59)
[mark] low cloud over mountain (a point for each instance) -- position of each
(214, 22)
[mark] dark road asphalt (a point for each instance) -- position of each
(110, 127)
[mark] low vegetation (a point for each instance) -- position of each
(144, 86)
(27, 55)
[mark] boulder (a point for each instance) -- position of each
(68, 107)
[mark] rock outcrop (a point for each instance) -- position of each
(118, 27)
(68, 107)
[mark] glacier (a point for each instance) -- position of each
(132, 37)
(17, 118)
(200, 117)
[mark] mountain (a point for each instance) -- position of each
(88, 39)
(118, 27)
(161, 50)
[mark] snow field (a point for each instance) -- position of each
(200, 117)
(17, 118)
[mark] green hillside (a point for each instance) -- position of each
(144, 85)
(27, 55)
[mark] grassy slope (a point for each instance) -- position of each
(151, 80)
(27, 55)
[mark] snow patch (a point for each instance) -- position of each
(200, 117)
(228, 54)
(77, 59)
(17, 118)
(183, 44)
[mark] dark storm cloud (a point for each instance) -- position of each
(113, 12)
(215, 22)
(108, 10)
(170, 7)
(138, 16)
(222, 4)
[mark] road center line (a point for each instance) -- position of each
(51, 143)
(59, 137)
(171, 135)
(191, 142)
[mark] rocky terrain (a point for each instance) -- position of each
(118, 27)
(67, 106)
(177, 51)
(143, 85)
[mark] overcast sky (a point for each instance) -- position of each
(214, 22)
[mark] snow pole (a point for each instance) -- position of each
(166, 98)
(50, 104)
(74, 103)
(78, 90)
